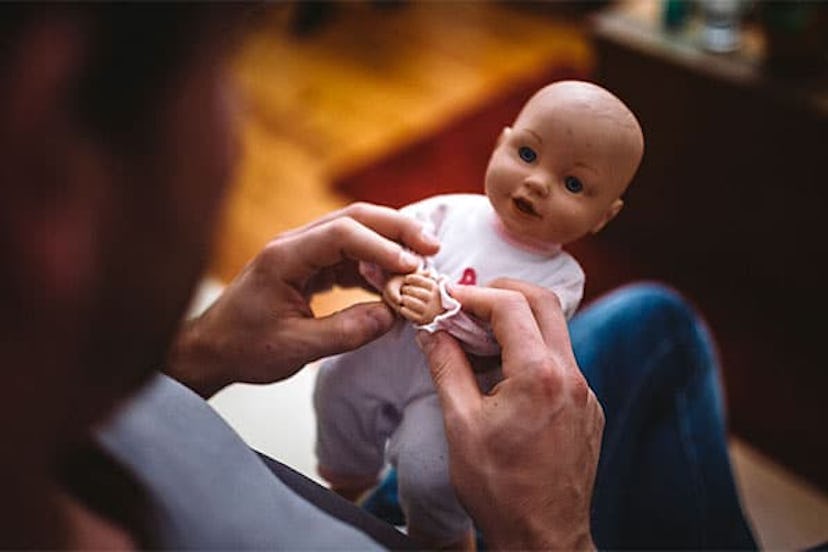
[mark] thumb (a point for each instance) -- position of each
(345, 330)
(451, 372)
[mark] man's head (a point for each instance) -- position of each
(115, 146)
(559, 172)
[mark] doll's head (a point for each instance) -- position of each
(559, 172)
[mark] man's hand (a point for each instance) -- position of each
(262, 329)
(523, 458)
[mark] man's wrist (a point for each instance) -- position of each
(190, 361)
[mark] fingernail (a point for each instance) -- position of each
(409, 259)
(429, 237)
(424, 340)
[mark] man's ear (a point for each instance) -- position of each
(504, 134)
(610, 214)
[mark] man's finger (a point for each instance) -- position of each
(329, 244)
(513, 324)
(546, 308)
(341, 331)
(452, 375)
(386, 221)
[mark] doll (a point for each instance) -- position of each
(556, 175)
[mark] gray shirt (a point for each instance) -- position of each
(207, 488)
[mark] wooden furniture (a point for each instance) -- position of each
(729, 206)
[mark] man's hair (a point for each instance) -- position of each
(136, 50)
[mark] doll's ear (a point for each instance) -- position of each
(610, 214)
(504, 134)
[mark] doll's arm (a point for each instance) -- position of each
(420, 298)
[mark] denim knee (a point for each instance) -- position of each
(663, 318)
(654, 306)
(643, 330)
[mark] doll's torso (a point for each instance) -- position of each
(475, 250)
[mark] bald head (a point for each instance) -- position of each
(601, 120)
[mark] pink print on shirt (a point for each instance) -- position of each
(469, 278)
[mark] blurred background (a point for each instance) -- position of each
(393, 101)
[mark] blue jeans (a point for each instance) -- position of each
(664, 478)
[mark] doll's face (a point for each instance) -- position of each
(559, 172)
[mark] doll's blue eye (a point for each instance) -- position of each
(573, 184)
(527, 154)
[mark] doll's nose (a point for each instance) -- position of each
(537, 185)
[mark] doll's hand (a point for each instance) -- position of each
(420, 298)
(391, 292)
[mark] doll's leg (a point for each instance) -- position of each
(355, 415)
(419, 451)
(664, 478)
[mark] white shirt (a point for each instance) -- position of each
(476, 249)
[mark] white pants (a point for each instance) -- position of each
(378, 404)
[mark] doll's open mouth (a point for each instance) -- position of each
(525, 206)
